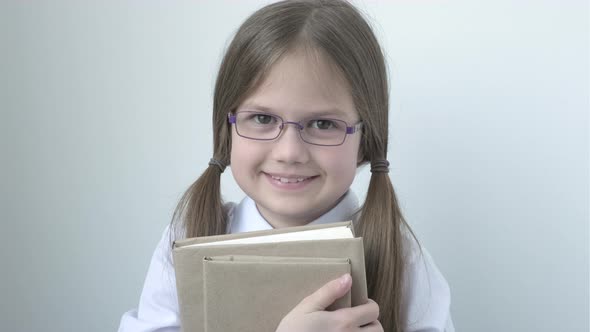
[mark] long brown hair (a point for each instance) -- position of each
(338, 31)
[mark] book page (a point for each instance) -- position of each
(314, 234)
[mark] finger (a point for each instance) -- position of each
(362, 314)
(326, 295)
(374, 326)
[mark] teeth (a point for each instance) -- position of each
(288, 180)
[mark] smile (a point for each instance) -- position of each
(290, 180)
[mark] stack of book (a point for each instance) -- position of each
(250, 281)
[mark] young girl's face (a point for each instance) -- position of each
(291, 181)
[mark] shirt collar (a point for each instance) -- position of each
(245, 217)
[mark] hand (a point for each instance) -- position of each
(310, 315)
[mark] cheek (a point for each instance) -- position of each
(240, 155)
(340, 163)
(246, 156)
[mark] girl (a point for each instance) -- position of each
(301, 101)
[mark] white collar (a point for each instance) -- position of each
(245, 217)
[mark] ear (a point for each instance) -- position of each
(360, 160)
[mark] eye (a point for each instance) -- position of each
(263, 118)
(323, 124)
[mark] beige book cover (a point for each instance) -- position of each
(189, 254)
(253, 293)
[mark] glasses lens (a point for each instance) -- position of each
(258, 125)
(324, 131)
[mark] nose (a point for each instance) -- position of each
(289, 147)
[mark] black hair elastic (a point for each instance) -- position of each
(218, 163)
(380, 166)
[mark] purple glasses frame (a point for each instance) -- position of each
(349, 129)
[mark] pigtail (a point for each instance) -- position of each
(200, 210)
(380, 224)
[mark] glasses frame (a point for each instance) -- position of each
(232, 119)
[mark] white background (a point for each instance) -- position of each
(106, 121)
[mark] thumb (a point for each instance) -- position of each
(326, 295)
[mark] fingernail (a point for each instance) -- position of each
(345, 280)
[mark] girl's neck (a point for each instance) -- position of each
(282, 221)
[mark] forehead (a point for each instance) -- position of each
(303, 83)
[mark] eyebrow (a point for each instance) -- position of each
(312, 113)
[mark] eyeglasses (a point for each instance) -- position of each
(264, 126)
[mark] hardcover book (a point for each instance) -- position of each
(233, 282)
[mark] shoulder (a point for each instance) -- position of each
(158, 304)
(230, 210)
(427, 295)
(173, 232)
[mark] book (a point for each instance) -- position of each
(324, 241)
(231, 304)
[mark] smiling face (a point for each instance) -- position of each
(293, 182)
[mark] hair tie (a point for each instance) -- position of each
(380, 166)
(218, 163)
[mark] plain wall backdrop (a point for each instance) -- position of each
(105, 121)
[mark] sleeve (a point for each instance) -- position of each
(158, 304)
(427, 296)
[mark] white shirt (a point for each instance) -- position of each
(427, 296)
